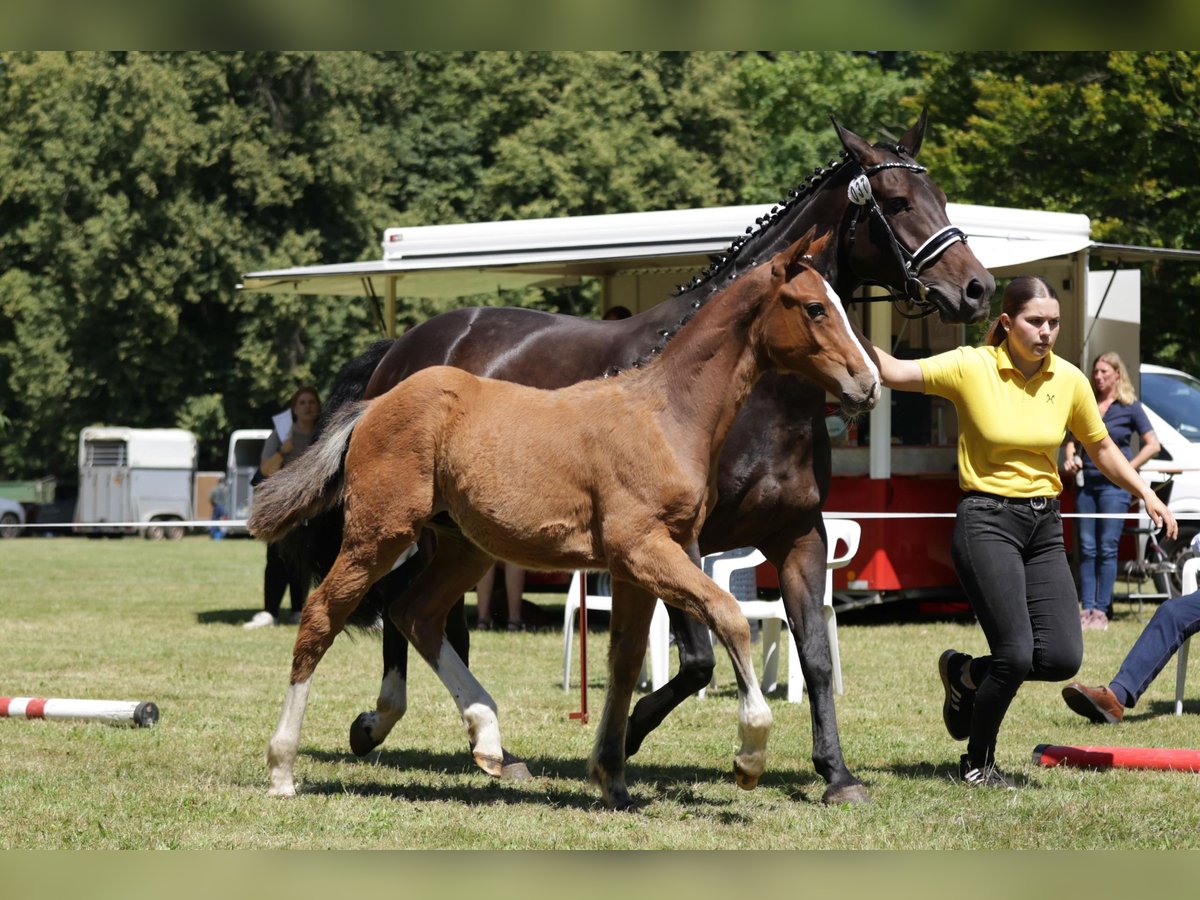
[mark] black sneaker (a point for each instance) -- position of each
(960, 700)
(983, 776)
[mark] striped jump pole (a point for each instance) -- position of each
(1173, 759)
(115, 712)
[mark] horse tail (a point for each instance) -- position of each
(310, 484)
(312, 547)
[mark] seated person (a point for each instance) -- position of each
(1172, 623)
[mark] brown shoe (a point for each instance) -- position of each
(1098, 704)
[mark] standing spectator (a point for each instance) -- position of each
(280, 575)
(514, 587)
(1098, 538)
(219, 498)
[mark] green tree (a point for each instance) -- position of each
(1113, 135)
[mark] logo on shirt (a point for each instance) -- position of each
(1050, 399)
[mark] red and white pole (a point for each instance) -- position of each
(116, 712)
(1174, 759)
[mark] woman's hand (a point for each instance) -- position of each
(1159, 514)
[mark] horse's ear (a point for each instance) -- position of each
(801, 253)
(913, 137)
(855, 146)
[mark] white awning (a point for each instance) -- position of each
(449, 261)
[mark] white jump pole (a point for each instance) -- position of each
(116, 712)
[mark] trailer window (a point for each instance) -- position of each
(106, 453)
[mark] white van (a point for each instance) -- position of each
(1172, 402)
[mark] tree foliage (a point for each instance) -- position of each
(136, 189)
(1113, 135)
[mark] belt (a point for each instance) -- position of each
(1034, 503)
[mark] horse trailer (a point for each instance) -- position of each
(139, 479)
(245, 453)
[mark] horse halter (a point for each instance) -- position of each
(860, 194)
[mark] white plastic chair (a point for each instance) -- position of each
(1189, 577)
(840, 532)
(658, 649)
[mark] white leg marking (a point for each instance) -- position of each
(754, 727)
(285, 742)
(389, 708)
(477, 707)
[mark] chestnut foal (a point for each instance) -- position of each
(615, 473)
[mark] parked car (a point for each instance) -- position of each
(1172, 401)
(12, 515)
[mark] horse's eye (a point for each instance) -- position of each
(814, 310)
(895, 205)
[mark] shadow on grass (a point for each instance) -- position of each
(557, 782)
(948, 773)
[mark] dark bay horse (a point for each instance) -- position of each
(774, 472)
(612, 473)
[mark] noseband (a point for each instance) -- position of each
(912, 264)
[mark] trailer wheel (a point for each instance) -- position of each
(163, 529)
(8, 525)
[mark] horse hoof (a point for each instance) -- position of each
(855, 793)
(748, 768)
(514, 769)
(624, 804)
(362, 741)
(745, 780)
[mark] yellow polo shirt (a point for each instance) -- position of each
(1010, 429)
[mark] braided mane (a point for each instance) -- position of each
(734, 254)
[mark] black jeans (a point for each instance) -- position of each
(278, 577)
(1012, 562)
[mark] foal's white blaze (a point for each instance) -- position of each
(836, 302)
(477, 707)
(285, 742)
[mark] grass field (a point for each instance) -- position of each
(127, 619)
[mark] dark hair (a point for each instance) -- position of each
(300, 391)
(616, 312)
(1017, 295)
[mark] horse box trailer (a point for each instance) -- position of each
(245, 454)
(136, 475)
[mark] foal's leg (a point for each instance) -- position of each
(665, 570)
(802, 582)
(632, 609)
(421, 615)
(357, 566)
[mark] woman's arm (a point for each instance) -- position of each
(1072, 462)
(1150, 448)
(1116, 468)
(900, 374)
(273, 462)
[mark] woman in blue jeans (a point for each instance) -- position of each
(1098, 538)
(1015, 401)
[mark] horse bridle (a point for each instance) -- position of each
(912, 264)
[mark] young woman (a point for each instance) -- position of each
(278, 576)
(1098, 538)
(1015, 401)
